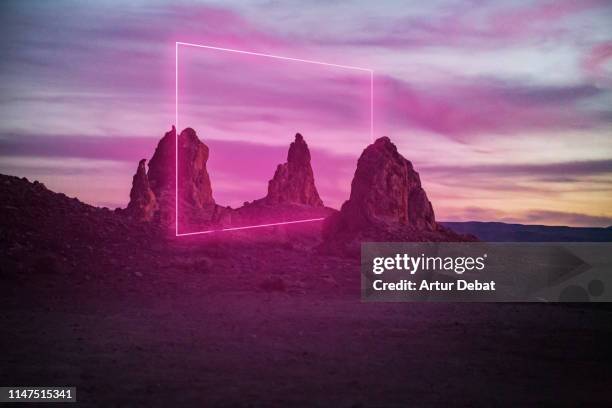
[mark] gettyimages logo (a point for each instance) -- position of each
(414, 264)
(487, 272)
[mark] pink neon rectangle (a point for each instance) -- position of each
(179, 43)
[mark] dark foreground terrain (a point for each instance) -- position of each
(133, 317)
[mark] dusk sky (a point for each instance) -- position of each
(504, 107)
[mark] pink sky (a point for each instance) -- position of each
(258, 103)
(503, 107)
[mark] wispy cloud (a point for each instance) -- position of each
(565, 218)
(563, 169)
(484, 25)
(540, 217)
(110, 147)
(472, 108)
(595, 62)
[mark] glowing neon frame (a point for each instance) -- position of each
(179, 43)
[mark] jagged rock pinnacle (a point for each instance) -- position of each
(143, 203)
(194, 186)
(386, 194)
(293, 181)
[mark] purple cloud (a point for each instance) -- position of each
(547, 217)
(566, 169)
(536, 216)
(594, 63)
(471, 108)
(116, 148)
(477, 26)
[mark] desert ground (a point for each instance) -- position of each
(133, 316)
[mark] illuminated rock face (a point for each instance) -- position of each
(292, 193)
(387, 200)
(143, 203)
(386, 191)
(387, 203)
(196, 202)
(194, 183)
(293, 181)
(195, 189)
(162, 165)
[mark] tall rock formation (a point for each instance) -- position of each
(387, 202)
(143, 203)
(194, 183)
(162, 165)
(195, 199)
(293, 181)
(292, 194)
(162, 177)
(194, 187)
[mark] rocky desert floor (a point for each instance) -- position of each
(132, 317)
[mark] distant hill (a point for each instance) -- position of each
(501, 232)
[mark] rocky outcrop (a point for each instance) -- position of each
(162, 165)
(292, 194)
(387, 202)
(194, 186)
(143, 203)
(293, 181)
(196, 205)
(162, 177)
